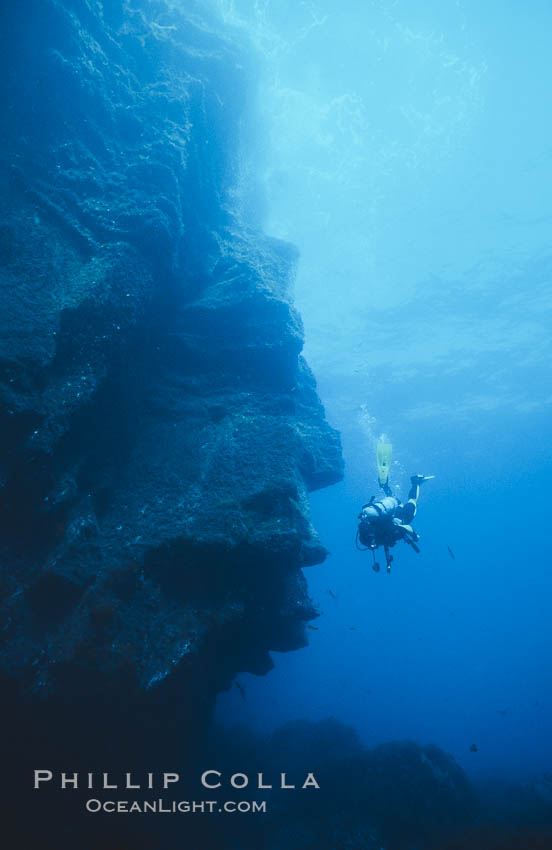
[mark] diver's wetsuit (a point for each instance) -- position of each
(407, 512)
(390, 506)
(386, 521)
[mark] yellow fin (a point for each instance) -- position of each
(384, 453)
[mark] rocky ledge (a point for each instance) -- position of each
(160, 429)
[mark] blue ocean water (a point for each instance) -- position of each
(406, 148)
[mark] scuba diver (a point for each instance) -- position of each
(385, 521)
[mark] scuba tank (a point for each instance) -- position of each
(383, 506)
(372, 517)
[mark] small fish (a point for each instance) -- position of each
(451, 553)
(241, 689)
(473, 748)
(351, 628)
(332, 594)
(313, 628)
(502, 711)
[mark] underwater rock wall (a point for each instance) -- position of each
(160, 430)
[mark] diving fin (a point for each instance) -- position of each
(419, 479)
(384, 452)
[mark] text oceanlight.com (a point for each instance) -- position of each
(175, 806)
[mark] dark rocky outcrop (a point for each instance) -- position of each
(396, 796)
(159, 428)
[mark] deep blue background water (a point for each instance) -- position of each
(406, 148)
